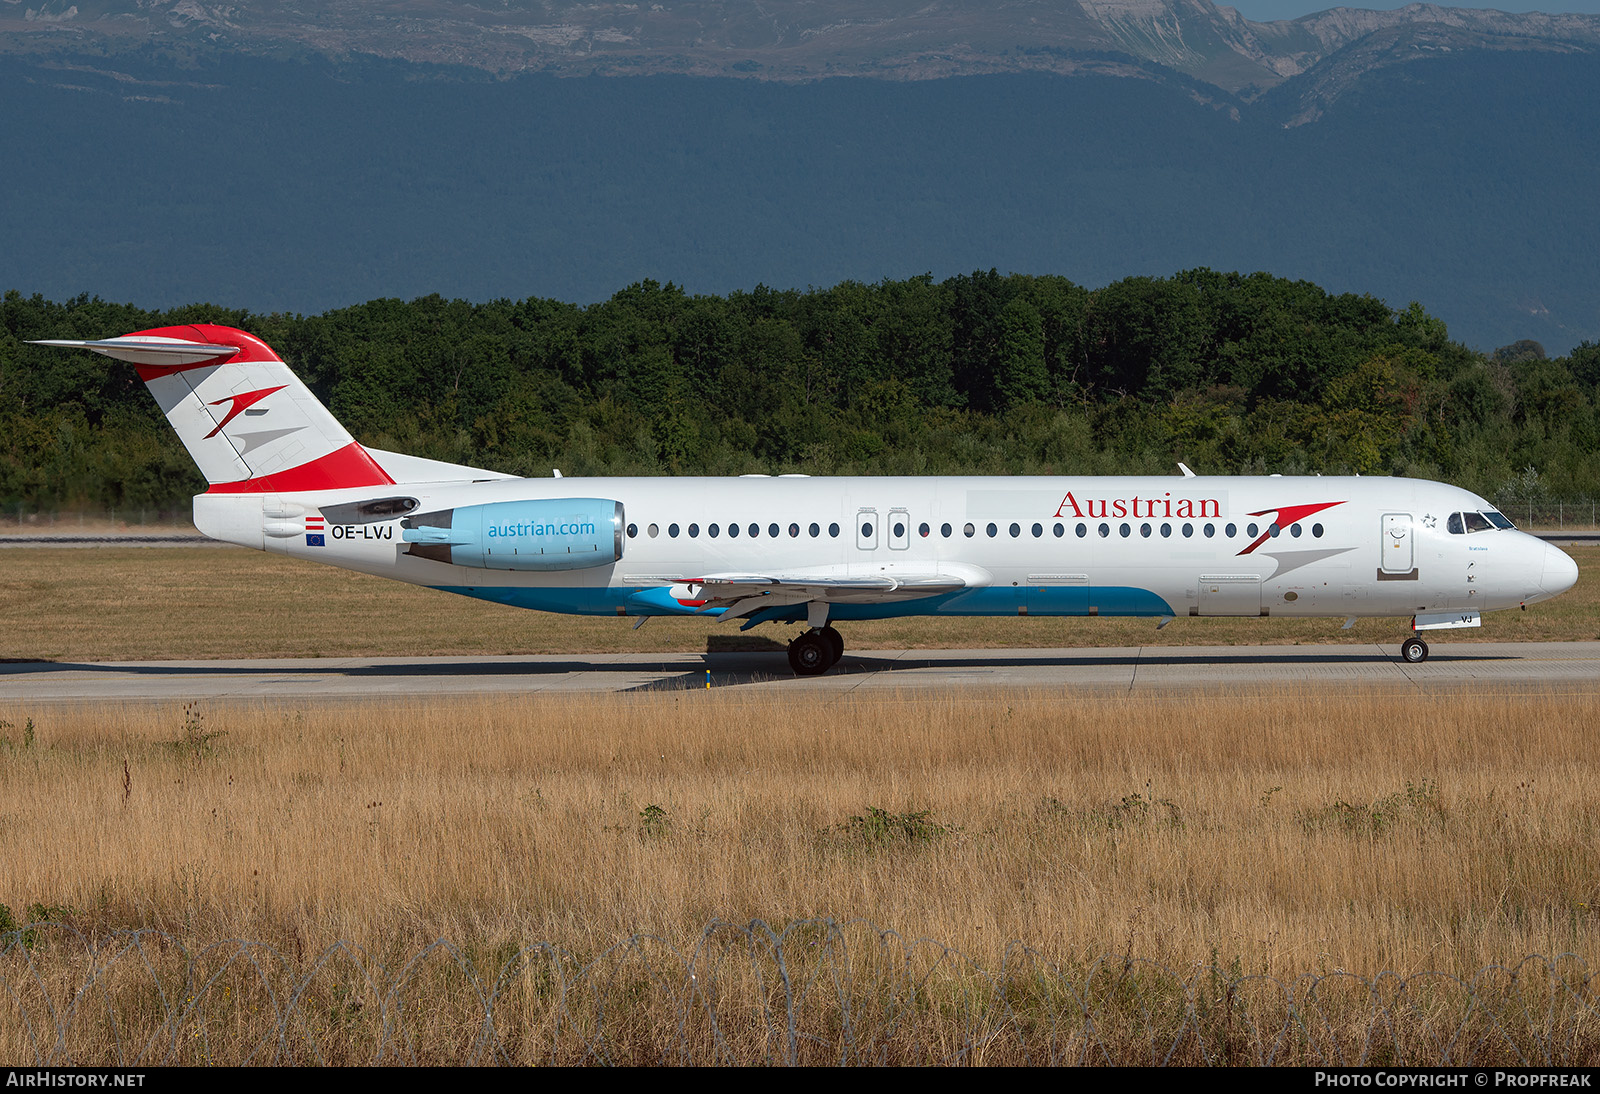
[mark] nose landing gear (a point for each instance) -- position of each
(816, 651)
(1414, 650)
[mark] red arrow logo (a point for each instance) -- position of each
(241, 403)
(1287, 515)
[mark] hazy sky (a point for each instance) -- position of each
(1263, 10)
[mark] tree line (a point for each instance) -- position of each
(978, 374)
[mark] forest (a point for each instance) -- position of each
(978, 374)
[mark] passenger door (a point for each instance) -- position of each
(1399, 550)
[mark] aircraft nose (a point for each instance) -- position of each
(1560, 572)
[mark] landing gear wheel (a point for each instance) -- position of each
(836, 640)
(810, 654)
(1414, 650)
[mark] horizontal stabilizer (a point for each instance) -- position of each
(149, 351)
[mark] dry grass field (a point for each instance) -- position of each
(1285, 835)
(154, 604)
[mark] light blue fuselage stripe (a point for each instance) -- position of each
(1044, 600)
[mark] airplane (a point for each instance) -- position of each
(283, 475)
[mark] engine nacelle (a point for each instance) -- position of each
(550, 534)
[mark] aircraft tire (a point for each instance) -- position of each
(809, 655)
(836, 641)
(1414, 650)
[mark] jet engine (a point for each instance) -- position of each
(550, 534)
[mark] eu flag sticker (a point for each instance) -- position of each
(314, 541)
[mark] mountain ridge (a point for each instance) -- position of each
(1450, 161)
(1224, 56)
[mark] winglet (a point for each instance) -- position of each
(1185, 469)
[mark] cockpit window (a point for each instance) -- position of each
(1486, 521)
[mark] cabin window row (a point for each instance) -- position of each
(733, 531)
(969, 530)
(1145, 531)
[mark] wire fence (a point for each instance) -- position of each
(1580, 513)
(1541, 514)
(18, 517)
(813, 992)
(1552, 514)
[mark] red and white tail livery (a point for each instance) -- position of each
(285, 476)
(248, 421)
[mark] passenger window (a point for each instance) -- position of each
(1126, 531)
(1105, 530)
(694, 531)
(654, 530)
(672, 530)
(968, 530)
(1188, 531)
(866, 530)
(794, 531)
(833, 530)
(1211, 530)
(755, 531)
(712, 531)
(1273, 529)
(1144, 530)
(899, 530)
(1316, 530)
(993, 530)
(1083, 530)
(1166, 531)
(1016, 530)
(1294, 530)
(1230, 530)
(733, 531)
(773, 530)
(815, 531)
(944, 530)
(1061, 530)
(1252, 530)
(633, 531)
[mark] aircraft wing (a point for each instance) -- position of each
(741, 594)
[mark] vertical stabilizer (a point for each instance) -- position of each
(248, 422)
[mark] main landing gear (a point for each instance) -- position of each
(1413, 650)
(816, 651)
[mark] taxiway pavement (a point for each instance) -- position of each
(1151, 670)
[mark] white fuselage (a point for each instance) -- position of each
(1055, 546)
